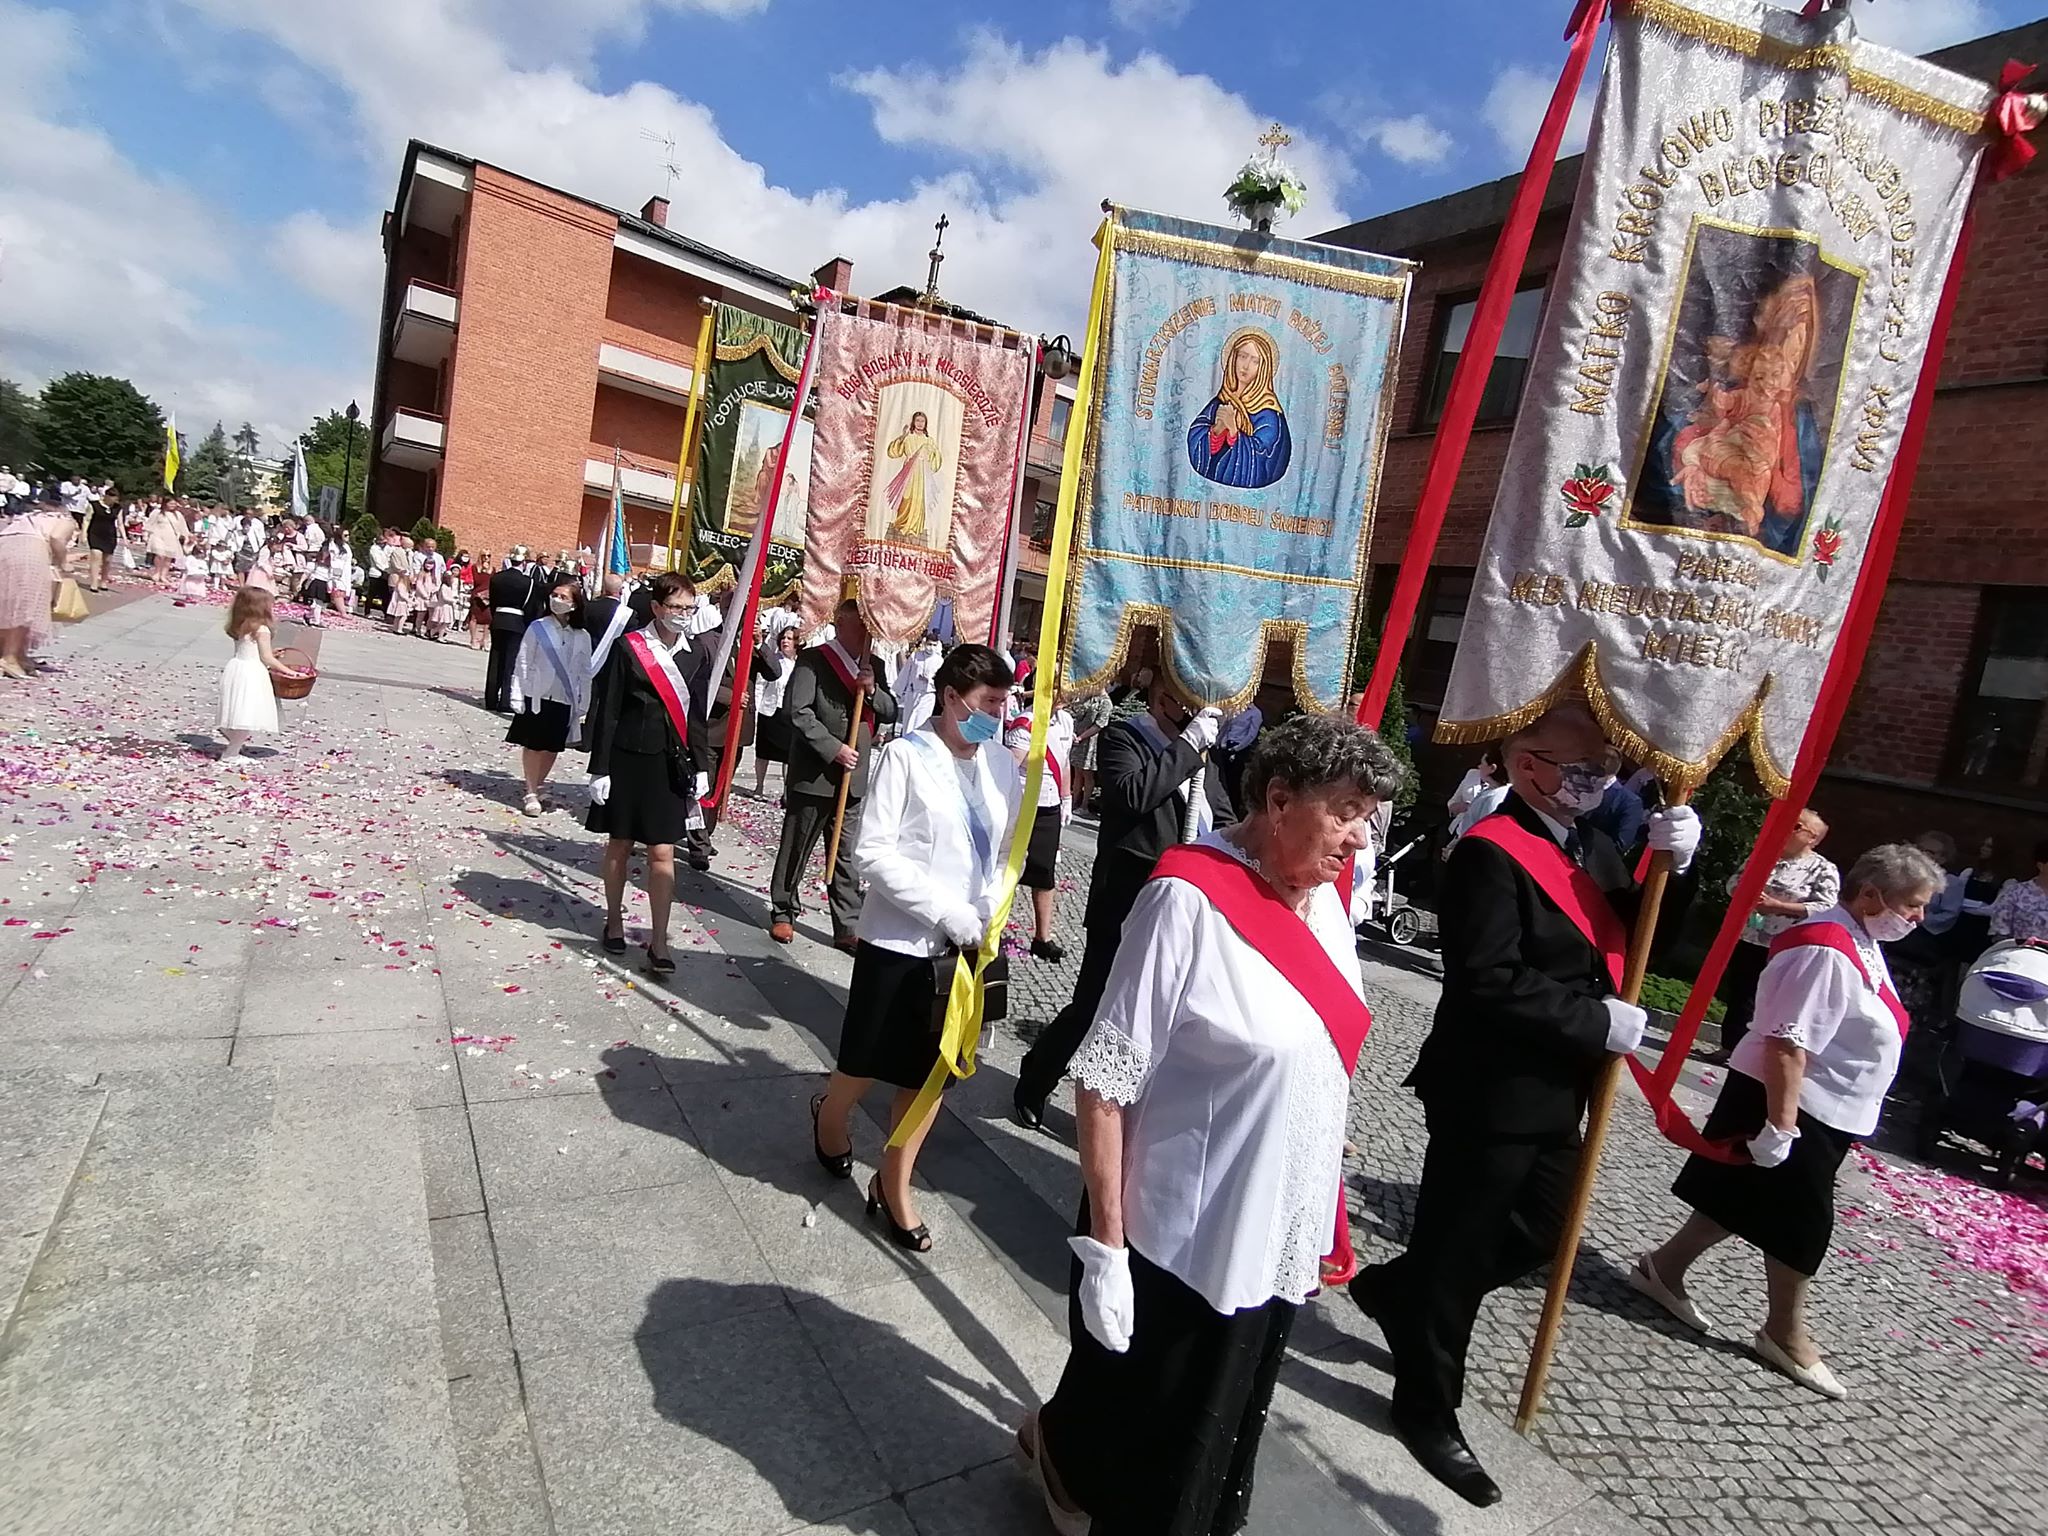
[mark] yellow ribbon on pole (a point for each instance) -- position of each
(960, 1036)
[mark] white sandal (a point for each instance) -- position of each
(1815, 1377)
(1645, 1281)
(532, 805)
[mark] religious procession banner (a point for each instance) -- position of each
(914, 468)
(748, 391)
(1233, 455)
(1763, 225)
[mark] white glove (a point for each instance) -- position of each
(600, 788)
(963, 926)
(1625, 1025)
(1771, 1146)
(1676, 830)
(1201, 732)
(1108, 1304)
(703, 785)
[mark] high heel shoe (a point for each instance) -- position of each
(917, 1239)
(841, 1166)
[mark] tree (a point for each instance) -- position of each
(208, 475)
(103, 429)
(1731, 806)
(1394, 722)
(20, 423)
(362, 533)
(327, 451)
(246, 441)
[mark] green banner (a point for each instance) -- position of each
(748, 392)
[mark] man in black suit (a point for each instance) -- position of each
(822, 687)
(516, 597)
(1527, 1018)
(597, 613)
(1144, 770)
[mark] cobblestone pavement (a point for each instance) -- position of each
(1947, 1423)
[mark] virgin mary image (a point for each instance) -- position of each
(910, 490)
(1240, 438)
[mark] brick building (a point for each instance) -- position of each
(1949, 725)
(527, 334)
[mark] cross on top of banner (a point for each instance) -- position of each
(1276, 138)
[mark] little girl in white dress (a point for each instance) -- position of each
(247, 704)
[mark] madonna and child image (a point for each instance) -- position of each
(1240, 437)
(1747, 401)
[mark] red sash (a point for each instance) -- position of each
(660, 668)
(1275, 930)
(850, 678)
(1052, 763)
(1818, 935)
(1572, 890)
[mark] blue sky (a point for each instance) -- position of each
(190, 190)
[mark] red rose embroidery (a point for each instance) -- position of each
(1827, 544)
(1587, 493)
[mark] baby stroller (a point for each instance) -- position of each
(1392, 913)
(1992, 1077)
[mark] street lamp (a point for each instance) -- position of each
(1057, 358)
(348, 457)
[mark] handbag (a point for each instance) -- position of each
(68, 607)
(995, 988)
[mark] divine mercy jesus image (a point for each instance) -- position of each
(1240, 437)
(911, 489)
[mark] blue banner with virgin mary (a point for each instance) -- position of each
(1226, 489)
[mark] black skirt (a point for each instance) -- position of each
(99, 533)
(1165, 1437)
(1787, 1212)
(544, 730)
(315, 590)
(1041, 857)
(771, 737)
(645, 805)
(891, 1031)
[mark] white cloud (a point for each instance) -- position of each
(110, 270)
(1921, 26)
(1412, 140)
(344, 266)
(1515, 105)
(1144, 15)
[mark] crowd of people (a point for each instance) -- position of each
(1219, 1009)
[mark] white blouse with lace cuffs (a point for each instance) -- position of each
(1234, 1097)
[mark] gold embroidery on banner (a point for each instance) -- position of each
(1662, 375)
(1834, 58)
(1313, 274)
(1581, 680)
(727, 353)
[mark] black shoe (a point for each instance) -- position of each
(1028, 1109)
(660, 965)
(614, 943)
(1445, 1456)
(917, 1239)
(701, 862)
(839, 1166)
(1047, 949)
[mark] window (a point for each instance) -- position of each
(1510, 365)
(1442, 618)
(1041, 524)
(2001, 729)
(1062, 412)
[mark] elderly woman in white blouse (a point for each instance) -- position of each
(1211, 1101)
(1807, 1082)
(933, 835)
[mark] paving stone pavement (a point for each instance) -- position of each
(349, 1188)
(1947, 1424)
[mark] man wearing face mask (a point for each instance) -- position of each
(822, 688)
(1155, 794)
(1531, 902)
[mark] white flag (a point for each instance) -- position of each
(299, 496)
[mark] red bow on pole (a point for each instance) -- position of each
(2013, 116)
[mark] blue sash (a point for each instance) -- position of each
(979, 833)
(553, 650)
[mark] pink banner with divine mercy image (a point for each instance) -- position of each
(914, 466)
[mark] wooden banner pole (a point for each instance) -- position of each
(860, 699)
(1598, 1114)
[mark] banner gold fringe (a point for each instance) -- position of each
(960, 1037)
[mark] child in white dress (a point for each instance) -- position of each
(247, 703)
(220, 563)
(192, 578)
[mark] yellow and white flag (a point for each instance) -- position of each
(171, 453)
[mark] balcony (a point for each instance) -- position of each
(425, 328)
(414, 439)
(649, 487)
(643, 374)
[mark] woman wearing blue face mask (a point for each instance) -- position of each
(931, 847)
(1807, 1082)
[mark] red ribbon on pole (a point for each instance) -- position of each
(2012, 117)
(1475, 361)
